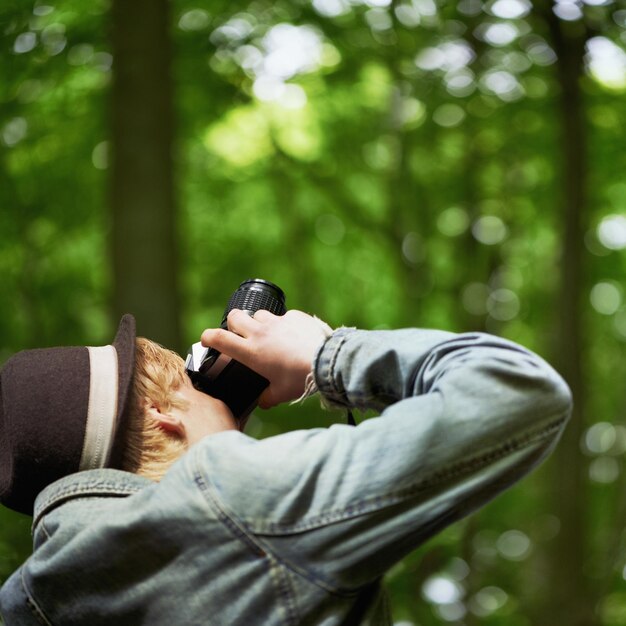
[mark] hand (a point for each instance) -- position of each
(280, 348)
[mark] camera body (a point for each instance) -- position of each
(224, 378)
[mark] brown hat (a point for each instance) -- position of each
(60, 411)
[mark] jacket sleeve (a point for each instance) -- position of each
(462, 418)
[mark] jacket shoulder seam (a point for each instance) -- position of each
(32, 603)
(80, 491)
(253, 540)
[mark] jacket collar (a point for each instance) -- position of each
(100, 482)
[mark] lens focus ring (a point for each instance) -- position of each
(253, 295)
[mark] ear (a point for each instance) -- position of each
(168, 422)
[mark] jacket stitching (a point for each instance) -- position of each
(333, 364)
(80, 490)
(436, 478)
(285, 592)
(252, 539)
(223, 517)
(32, 605)
(42, 525)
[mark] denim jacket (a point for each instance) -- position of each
(297, 529)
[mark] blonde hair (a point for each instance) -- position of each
(149, 450)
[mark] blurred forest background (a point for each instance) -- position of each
(388, 163)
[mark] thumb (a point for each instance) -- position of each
(267, 399)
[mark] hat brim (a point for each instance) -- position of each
(124, 344)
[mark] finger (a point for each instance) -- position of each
(262, 315)
(224, 341)
(266, 400)
(241, 323)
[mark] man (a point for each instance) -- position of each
(212, 527)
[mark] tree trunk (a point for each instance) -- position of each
(142, 191)
(570, 598)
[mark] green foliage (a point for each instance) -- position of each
(386, 163)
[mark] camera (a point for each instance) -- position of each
(224, 378)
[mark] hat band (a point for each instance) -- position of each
(102, 408)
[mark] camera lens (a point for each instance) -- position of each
(255, 294)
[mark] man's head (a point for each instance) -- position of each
(128, 405)
(165, 414)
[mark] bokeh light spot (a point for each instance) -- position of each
(453, 221)
(460, 83)
(331, 8)
(100, 156)
(268, 88)
(291, 50)
(448, 115)
(458, 568)
(293, 97)
(488, 600)
(612, 232)
(413, 113)
(413, 248)
(619, 323)
(514, 545)
(24, 42)
(408, 15)
(14, 131)
(540, 53)
(380, 154)
(448, 56)
(379, 19)
(606, 297)
(612, 608)
(619, 17)
(441, 589)
(489, 230)
(80, 54)
(567, 10)
(235, 29)
(470, 7)
(604, 470)
(502, 84)
(53, 39)
(503, 305)
(474, 298)
(103, 61)
(452, 612)
(330, 229)
(499, 34)
(196, 19)
(42, 9)
(606, 62)
(241, 138)
(600, 438)
(510, 9)
(516, 62)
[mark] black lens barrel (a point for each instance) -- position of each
(255, 294)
